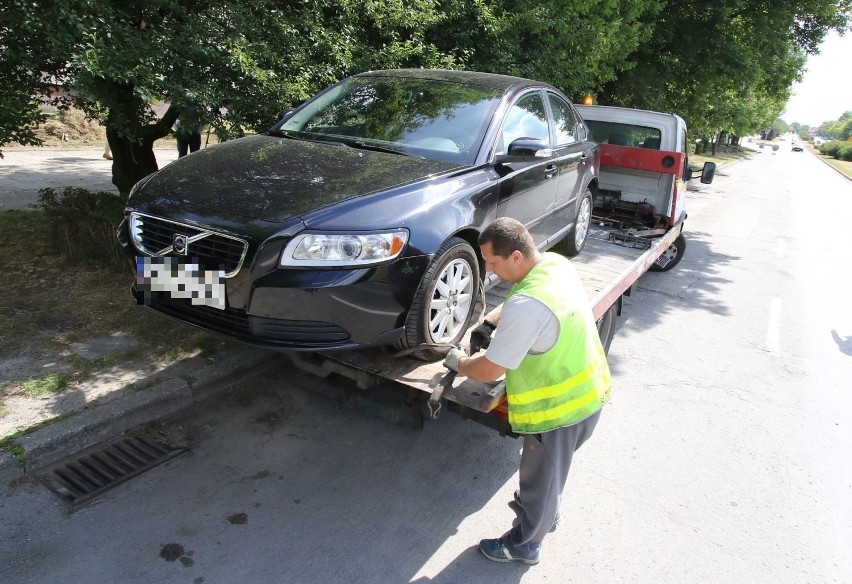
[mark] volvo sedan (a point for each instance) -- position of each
(353, 221)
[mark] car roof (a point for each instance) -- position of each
(489, 80)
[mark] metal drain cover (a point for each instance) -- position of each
(80, 478)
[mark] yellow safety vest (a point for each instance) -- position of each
(570, 381)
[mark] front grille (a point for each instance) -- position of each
(155, 236)
(236, 323)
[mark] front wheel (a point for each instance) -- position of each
(445, 300)
(672, 256)
(575, 239)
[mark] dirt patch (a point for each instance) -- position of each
(71, 333)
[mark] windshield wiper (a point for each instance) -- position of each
(364, 146)
(284, 134)
(358, 144)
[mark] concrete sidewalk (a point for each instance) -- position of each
(24, 171)
(123, 397)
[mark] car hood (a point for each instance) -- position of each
(272, 178)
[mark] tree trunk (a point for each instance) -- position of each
(131, 161)
(133, 151)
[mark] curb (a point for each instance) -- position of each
(97, 423)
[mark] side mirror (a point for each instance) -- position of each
(708, 172)
(526, 147)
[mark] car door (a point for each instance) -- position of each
(527, 189)
(570, 156)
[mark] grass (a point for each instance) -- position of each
(16, 450)
(9, 442)
(48, 302)
(721, 158)
(46, 385)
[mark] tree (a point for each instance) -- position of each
(735, 67)
(839, 129)
(576, 46)
(31, 63)
(240, 64)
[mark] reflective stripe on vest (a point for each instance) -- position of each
(571, 381)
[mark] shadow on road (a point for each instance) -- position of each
(843, 343)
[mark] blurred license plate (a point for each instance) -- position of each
(181, 278)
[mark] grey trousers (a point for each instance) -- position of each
(545, 461)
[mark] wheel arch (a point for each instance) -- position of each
(471, 236)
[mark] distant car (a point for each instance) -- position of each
(354, 221)
(797, 148)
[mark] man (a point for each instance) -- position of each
(557, 378)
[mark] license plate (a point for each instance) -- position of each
(180, 278)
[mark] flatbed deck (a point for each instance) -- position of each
(607, 270)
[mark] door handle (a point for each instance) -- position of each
(550, 171)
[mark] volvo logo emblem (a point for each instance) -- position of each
(180, 244)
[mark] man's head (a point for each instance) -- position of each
(508, 249)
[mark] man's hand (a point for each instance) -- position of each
(480, 337)
(453, 357)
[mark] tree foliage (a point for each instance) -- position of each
(239, 63)
(839, 129)
(576, 46)
(725, 65)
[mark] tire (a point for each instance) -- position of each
(606, 326)
(445, 301)
(671, 257)
(575, 239)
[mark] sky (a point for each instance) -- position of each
(826, 88)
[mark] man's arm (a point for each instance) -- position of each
(494, 316)
(480, 369)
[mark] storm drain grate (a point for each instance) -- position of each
(84, 476)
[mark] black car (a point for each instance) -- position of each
(354, 220)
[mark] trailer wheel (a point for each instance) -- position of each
(575, 239)
(445, 300)
(606, 326)
(672, 256)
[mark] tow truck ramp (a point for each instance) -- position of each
(608, 268)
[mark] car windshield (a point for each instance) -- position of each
(624, 134)
(419, 117)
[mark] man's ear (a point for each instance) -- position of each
(517, 256)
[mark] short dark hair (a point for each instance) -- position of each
(507, 235)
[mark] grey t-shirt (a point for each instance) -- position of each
(526, 326)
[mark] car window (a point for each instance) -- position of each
(526, 119)
(625, 134)
(564, 120)
(421, 117)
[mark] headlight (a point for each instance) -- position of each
(347, 249)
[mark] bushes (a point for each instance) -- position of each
(837, 149)
(82, 224)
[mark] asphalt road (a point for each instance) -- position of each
(722, 458)
(25, 171)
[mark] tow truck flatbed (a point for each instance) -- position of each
(607, 269)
